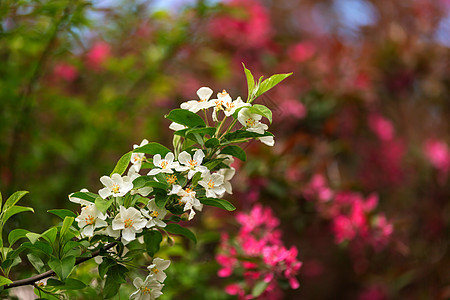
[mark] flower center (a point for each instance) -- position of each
(136, 158)
(164, 164)
(192, 163)
(211, 184)
(145, 290)
(128, 223)
(230, 106)
(188, 190)
(155, 270)
(171, 179)
(89, 220)
(115, 188)
(154, 214)
(250, 122)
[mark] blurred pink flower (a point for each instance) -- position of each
(98, 55)
(65, 71)
(292, 108)
(301, 52)
(381, 126)
(438, 154)
(373, 293)
(251, 31)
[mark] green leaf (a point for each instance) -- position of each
(65, 227)
(220, 203)
(259, 288)
(44, 247)
(13, 199)
(111, 288)
(88, 196)
(103, 204)
(202, 131)
(36, 262)
(4, 281)
(117, 273)
(250, 82)
(11, 211)
(62, 267)
(196, 178)
(261, 110)
(69, 246)
(235, 151)
(160, 198)
(50, 235)
(178, 229)
(152, 240)
(15, 235)
(214, 163)
(33, 237)
(271, 82)
(186, 118)
(212, 143)
(62, 213)
(122, 164)
(105, 265)
(152, 149)
(243, 134)
(73, 284)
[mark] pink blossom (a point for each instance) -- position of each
(98, 55)
(65, 71)
(293, 108)
(318, 187)
(438, 154)
(301, 52)
(234, 289)
(381, 126)
(252, 30)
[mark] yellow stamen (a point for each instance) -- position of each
(211, 184)
(250, 122)
(145, 290)
(171, 179)
(154, 214)
(155, 270)
(193, 163)
(115, 188)
(188, 190)
(128, 223)
(89, 220)
(164, 164)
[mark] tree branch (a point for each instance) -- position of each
(49, 273)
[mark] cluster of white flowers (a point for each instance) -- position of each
(250, 121)
(150, 288)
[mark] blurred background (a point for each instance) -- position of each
(358, 176)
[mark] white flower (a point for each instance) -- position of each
(130, 221)
(252, 123)
(193, 165)
(187, 196)
(89, 219)
(175, 126)
(163, 165)
(80, 201)
(115, 186)
(132, 175)
(155, 215)
(227, 176)
(230, 107)
(212, 184)
(109, 231)
(149, 289)
(223, 99)
(204, 93)
(157, 267)
(137, 158)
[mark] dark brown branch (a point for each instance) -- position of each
(32, 280)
